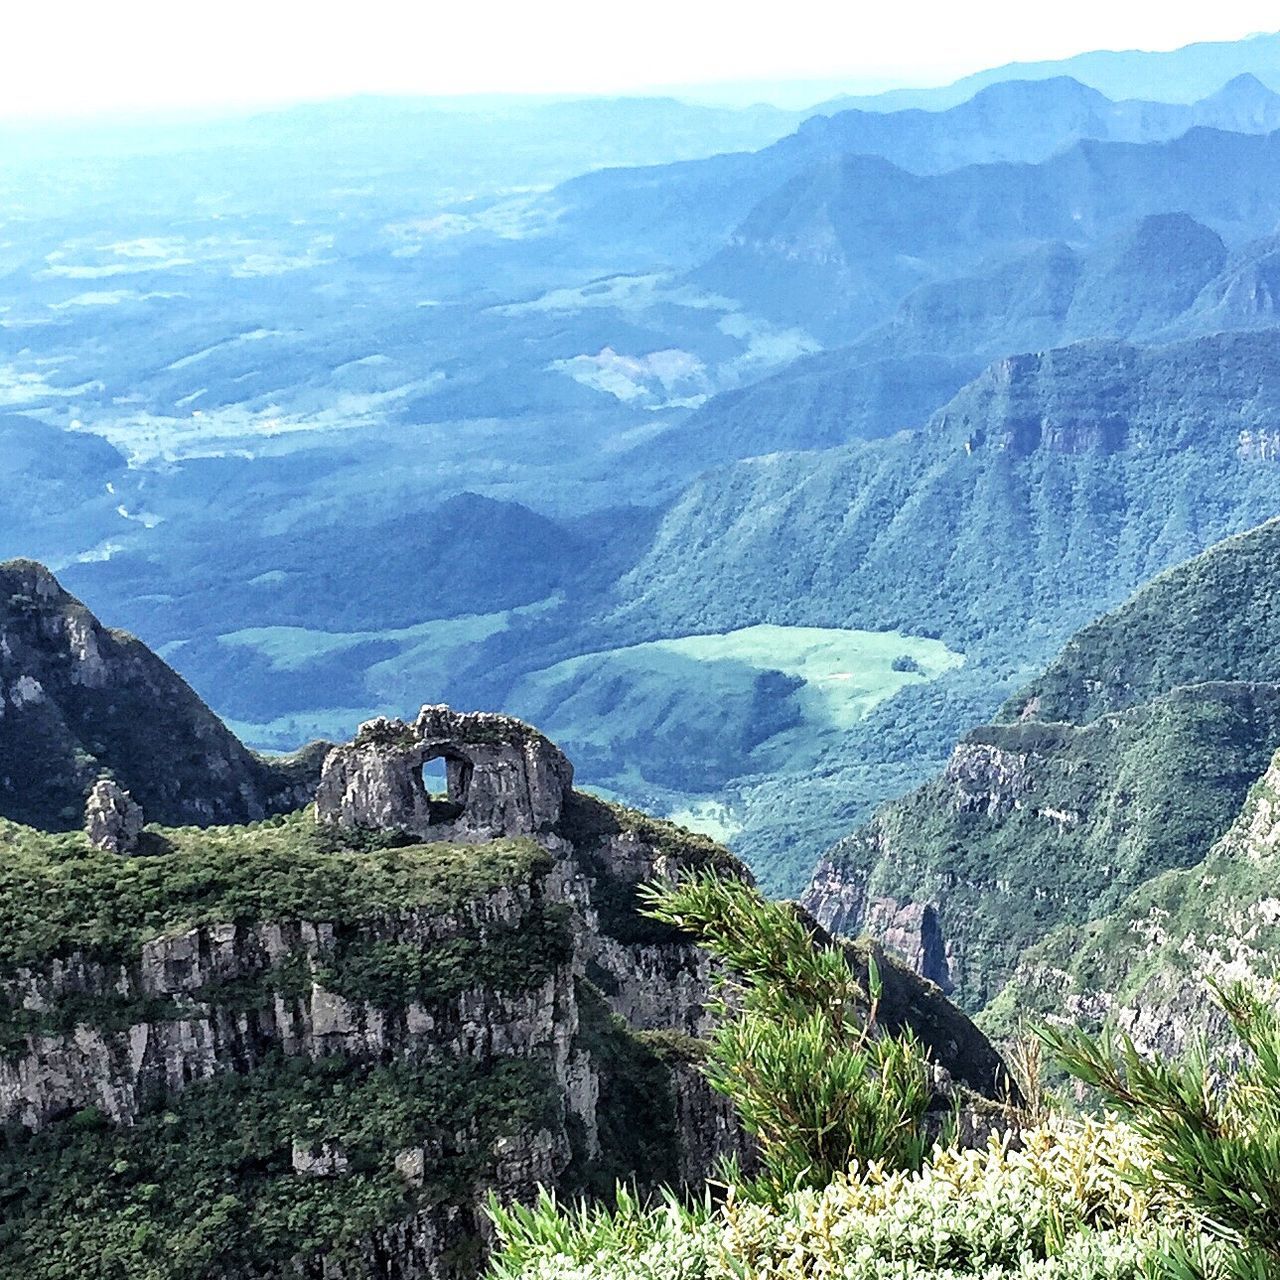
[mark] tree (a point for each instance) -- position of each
(796, 1046)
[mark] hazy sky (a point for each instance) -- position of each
(70, 57)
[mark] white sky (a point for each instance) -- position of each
(74, 57)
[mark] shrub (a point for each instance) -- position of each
(1067, 1202)
(1214, 1132)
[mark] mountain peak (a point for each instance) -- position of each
(1245, 85)
(79, 702)
(1055, 89)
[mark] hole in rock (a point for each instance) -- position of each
(446, 779)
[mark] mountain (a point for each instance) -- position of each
(1166, 273)
(1142, 968)
(79, 702)
(314, 1045)
(1043, 491)
(820, 401)
(1124, 761)
(67, 486)
(1245, 293)
(1178, 75)
(839, 245)
(682, 211)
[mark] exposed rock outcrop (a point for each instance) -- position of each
(504, 778)
(112, 819)
(989, 779)
(912, 930)
(543, 966)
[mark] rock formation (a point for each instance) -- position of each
(112, 819)
(504, 778)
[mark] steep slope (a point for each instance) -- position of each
(1125, 761)
(1049, 487)
(1245, 294)
(1163, 272)
(1144, 967)
(1212, 619)
(78, 701)
(840, 244)
(310, 1047)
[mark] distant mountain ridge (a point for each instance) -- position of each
(1177, 75)
(1042, 491)
(838, 246)
(683, 210)
(1166, 275)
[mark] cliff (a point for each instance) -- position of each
(313, 1044)
(357, 1037)
(1143, 968)
(1120, 766)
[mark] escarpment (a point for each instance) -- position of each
(314, 1043)
(1142, 969)
(1117, 768)
(388, 1026)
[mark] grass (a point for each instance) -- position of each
(843, 674)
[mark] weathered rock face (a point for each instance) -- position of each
(504, 778)
(1144, 970)
(989, 779)
(112, 820)
(912, 930)
(78, 700)
(596, 998)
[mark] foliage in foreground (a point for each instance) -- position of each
(1214, 1133)
(796, 1047)
(1073, 1203)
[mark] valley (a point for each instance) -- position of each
(631, 687)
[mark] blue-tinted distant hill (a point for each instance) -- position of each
(1178, 75)
(1165, 276)
(839, 246)
(1043, 491)
(681, 210)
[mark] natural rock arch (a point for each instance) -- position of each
(503, 777)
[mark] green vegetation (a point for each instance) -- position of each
(58, 895)
(1214, 618)
(1189, 1189)
(391, 974)
(796, 1047)
(205, 1184)
(1100, 810)
(635, 1114)
(1214, 1127)
(1065, 1202)
(1154, 950)
(693, 712)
